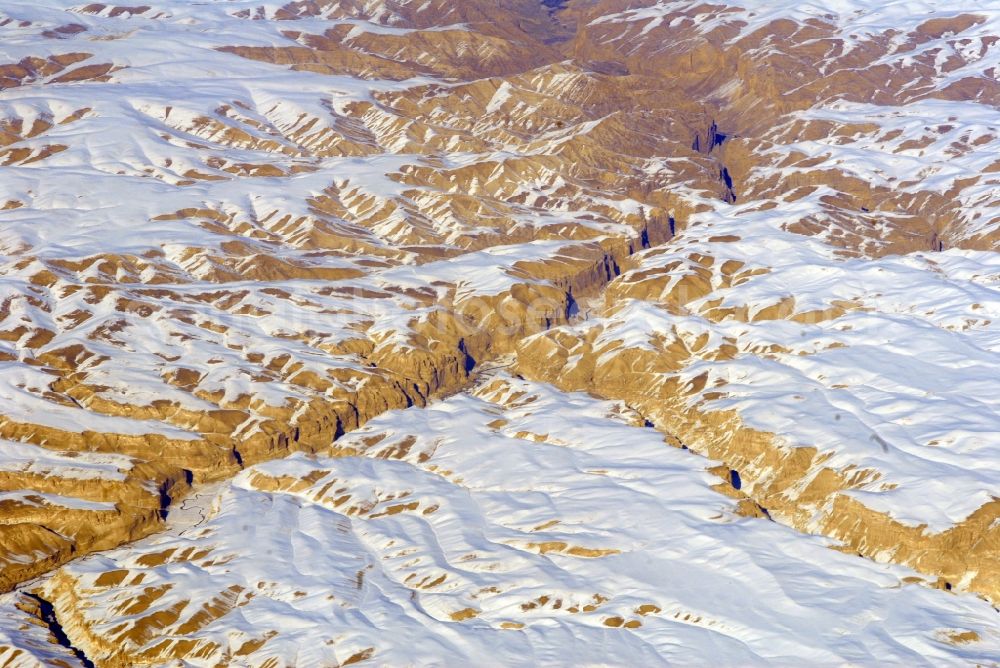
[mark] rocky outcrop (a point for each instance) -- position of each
(508, 506)
(669, 329)
(344, 208)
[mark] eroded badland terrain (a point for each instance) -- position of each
(409, 332)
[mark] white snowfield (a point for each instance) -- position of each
(904, 382)
(27, 458)
(855, 22)
(175, 115)
(937, 146)
(517, 523)
(192, 213)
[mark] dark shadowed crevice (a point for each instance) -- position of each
(727, 181)
(47, 613)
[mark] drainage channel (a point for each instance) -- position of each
(47, 613)
(195, 507)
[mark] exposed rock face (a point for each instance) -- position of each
(234, 231)
(506, 521)
(285, 265)
(688, 339)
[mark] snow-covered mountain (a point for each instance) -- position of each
(424, 332)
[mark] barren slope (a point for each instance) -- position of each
(234, 231)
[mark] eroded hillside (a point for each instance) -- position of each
(234, 231)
